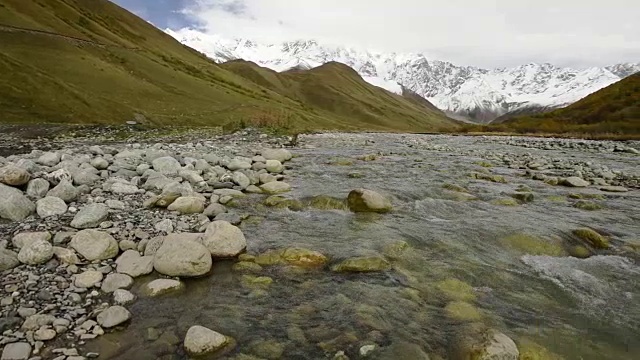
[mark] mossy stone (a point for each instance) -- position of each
(303, 257)
(271, 257)
(256, 282)
(269, 349)
(529, 350)
(525, 197)
(355, 175)
(246, 266)
(396, 249)
(363, 264)
(484, 164)
(505, 202)
(579, 251)
(592, 238)
(341, 162)
(455, 289)
(369, 157)
(462, 311)
(533, 245)
(273, 200)
(587, 205)
(324, 202)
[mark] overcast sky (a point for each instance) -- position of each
(488, 33)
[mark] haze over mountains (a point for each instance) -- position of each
(464, 92)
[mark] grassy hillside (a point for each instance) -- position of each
(90, 61)
(612, 110)
(335, 88)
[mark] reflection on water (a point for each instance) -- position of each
(457, 268)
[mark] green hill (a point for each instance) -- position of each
(92, 62)
(612, 110)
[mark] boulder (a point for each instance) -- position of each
(14, 176)
(49, 159)
(90, 216)
(303, 257)
(16, 351)
(161, 287)
(116, 281)
(65, 191)
(37, 188)
(214, 210)
(281, 155)
(50, 206)
(575, 181)
(275, 187)
(113, 316)
(95, 245)
(8, 260)
(166, 165)
(36, 252)
(85, 177)
(274, 166)
(182, 257)
(88, 279)
(485, 345)
(14, 205)
(201, 341)
(123, 297)
(66, 256)
(223, 240)
(238, 164)
(25, 238)
(134, 265)
(241, 179)
(592, 238)
(363, 264)
(363, 200)
(187, 205)
(100, 163)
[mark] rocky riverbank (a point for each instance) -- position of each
(90, 231)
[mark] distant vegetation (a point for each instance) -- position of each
(92, 62)
(611, 112)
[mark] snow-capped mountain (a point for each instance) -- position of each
(463, 91)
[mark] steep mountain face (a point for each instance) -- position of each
(462, 91)
(612, 110)
(106, 65)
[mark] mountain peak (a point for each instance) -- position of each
(468, 91)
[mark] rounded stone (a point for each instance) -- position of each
(88, 279)
(36, 252)
(363, 200)
(95, 245)
(50, 206)
(182, 257)
(223, 239)
(201, 341)
(113, 316)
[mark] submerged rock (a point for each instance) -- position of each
(592, 238)
(575, 181)
(462, 311)
(162, 286)
(479, 343)
(455, 289)
(533, 245)
(363, 200)
(363, 264)
(202, 341)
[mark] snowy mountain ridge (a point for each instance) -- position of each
(462, 91)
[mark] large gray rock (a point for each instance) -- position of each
(214, 210)
(59, 175)
(38, 188)
(276, 187)
(100, 163)
(166, 165)
(65, 191)
(238, 164)
(274, 166)
(122, 188)
(24, 238)
(134, 265)
(90, 216)
(8, 260)
(16, 351)
(223, 240)
(66, 256)
(36, 252)
(161, 287)
(14, 176)
(88, 279)
(241, 179)
(123, 297)
(113, 316)
(363, 200)
(85, 177)
(281, 155)
(187, 205)
(95, 245)
(14, 205)
(156, 181)
(116, 281)
(49, 159)
(50, 206)
(575, 181)
(182, 257)
(201, 341)
(489, 345)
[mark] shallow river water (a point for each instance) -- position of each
(464, 263)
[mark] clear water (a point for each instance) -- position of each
(576, 308)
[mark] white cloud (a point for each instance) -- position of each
(469, 32)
